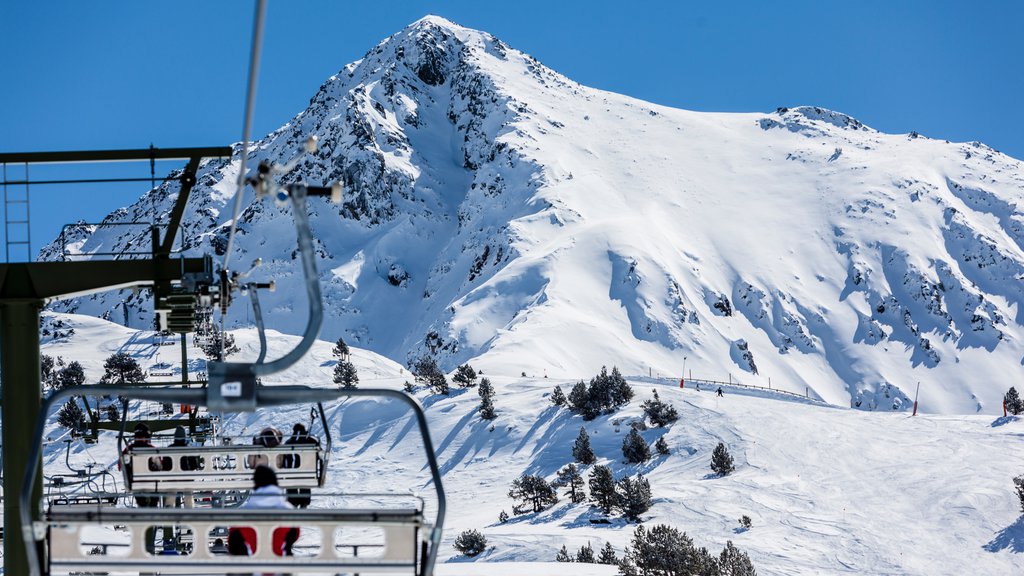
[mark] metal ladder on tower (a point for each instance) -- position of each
(16, 217)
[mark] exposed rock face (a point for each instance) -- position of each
(491, 203)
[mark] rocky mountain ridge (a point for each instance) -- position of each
(495, 209)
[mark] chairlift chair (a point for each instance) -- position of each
(409, 539)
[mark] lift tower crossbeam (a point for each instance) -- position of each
(24, 289)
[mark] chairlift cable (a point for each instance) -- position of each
(254, 64)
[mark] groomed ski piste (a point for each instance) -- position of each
(829, 490)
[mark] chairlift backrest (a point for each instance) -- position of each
(404, 539)
(221, 467)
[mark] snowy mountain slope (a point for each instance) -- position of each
(499, 212)
(829, 490)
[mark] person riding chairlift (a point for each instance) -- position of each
(266, 495)
(299, 497)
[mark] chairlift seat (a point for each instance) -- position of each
(221, 467)
(405, 537)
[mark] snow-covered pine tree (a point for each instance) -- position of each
(734, 562)
(345, 374)
(465, 376)
(71, 375)
(438, 383)
(578, 399)
(113, 414)
(634, 497)
(586, 554)
(534, 491)
(563, 555)
(71, 415)
(557, 396)
(581, 450)
(721, 461)
(620, 392)
(607, 555)
(658, 412)
(503, 517)
(47, 371)
(340, 349)
(486, 392)
(662, 446)
(423, 368)
(1014, 404)
(120, 368)
(570, 477)
(471, 543)
(602, 488)
(634, 448)
(661, 550)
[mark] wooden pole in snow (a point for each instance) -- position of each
(915, 397)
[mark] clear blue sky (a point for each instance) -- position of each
(94, 75)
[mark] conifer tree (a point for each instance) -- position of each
(581, 451)
(634, 448)
(570, 477)
(71, 415)
(607, 555)
(660, 550)
(634, 497)
(1014, 404)
(47, 371)
(1018, 483)
(486, 392)
(620, 390)
(465, 376)
(602, 488)
(503, 517)
(120, 368)
(558, 397)
(71, 375)
(662, 446)
(471, 543)
(438, 383)
(734, 562)
(113, 414)
(586, 554)
(424, 368)
(340, 349)
(721, 461)
(578, 398)
(563, 555)
(658, 412)
(345, 374)
(534, 491)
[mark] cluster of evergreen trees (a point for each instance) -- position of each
(630, 495)
(665, 550)
(118, 368)
(586, 554)
(605, 393)
(58, 375)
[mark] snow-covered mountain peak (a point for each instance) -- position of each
(495, 211)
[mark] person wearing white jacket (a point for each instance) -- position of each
(266, 494)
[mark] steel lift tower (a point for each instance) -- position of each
(25, 287)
